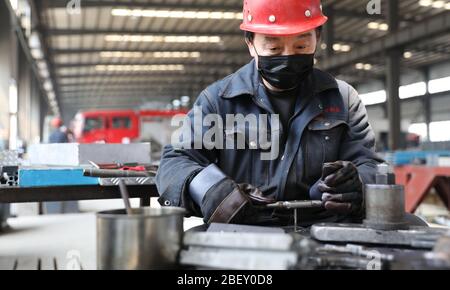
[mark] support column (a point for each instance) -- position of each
(329, 31)
(393, 80)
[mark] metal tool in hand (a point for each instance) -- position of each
(295, 205)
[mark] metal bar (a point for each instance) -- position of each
(296, 204)
(110, 173)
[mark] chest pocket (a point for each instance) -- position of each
(321, 144)
(248, 144)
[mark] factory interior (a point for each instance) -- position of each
(93, 92)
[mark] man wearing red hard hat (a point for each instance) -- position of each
(326, 145)
(59, 133)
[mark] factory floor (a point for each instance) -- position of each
(61, 236)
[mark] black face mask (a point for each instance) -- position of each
(287, 71)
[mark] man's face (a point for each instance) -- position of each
(266, 45)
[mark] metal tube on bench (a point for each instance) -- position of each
(108, 173)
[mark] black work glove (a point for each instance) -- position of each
(341, 188)
(255, 195)
(229, 202)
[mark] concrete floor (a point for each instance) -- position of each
(62, 236)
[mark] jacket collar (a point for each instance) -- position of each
(245, 81)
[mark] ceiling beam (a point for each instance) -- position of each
(161, 62)
(192, 6)
(148, 5)
(126, 89)
(210, 72)
(58, 51)
(121, 83)
(434, 26)
(152, 31)
(141, 89)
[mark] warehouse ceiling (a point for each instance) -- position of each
(122, 54)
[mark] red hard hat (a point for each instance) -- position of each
(282, 17)
(56, 122)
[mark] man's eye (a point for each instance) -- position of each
(301, 47)
(274, 49)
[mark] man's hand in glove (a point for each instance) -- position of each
(230, 202)
(222, 200)
(339, 188)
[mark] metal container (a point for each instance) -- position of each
(385, 207)
(149, 239)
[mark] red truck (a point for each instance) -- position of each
(124, 126)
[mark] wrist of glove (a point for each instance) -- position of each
(339, 188)
(228, 202)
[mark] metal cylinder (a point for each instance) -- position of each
(385, 207)
(150, 238)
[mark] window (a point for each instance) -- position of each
(439, 85)
(93, 123)
(121, 123)
(439, 131)
(418, 129)
(373, 98)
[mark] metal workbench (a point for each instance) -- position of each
(12, 194)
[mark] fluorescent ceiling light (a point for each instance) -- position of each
(407, 54)
(152, 67)
(37, 53)
(14, 4)
(345, 47)
(367, 66)
(363, 66)
(425, 3)
(125, 54)
(438, 4)
(177, 14)
(51, 96)
(48, 86)
(378, 26)
(373, 98)
(176, 54)
(341, 47)
(160, 38)
(156, 54)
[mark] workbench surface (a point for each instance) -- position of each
(10, 194)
